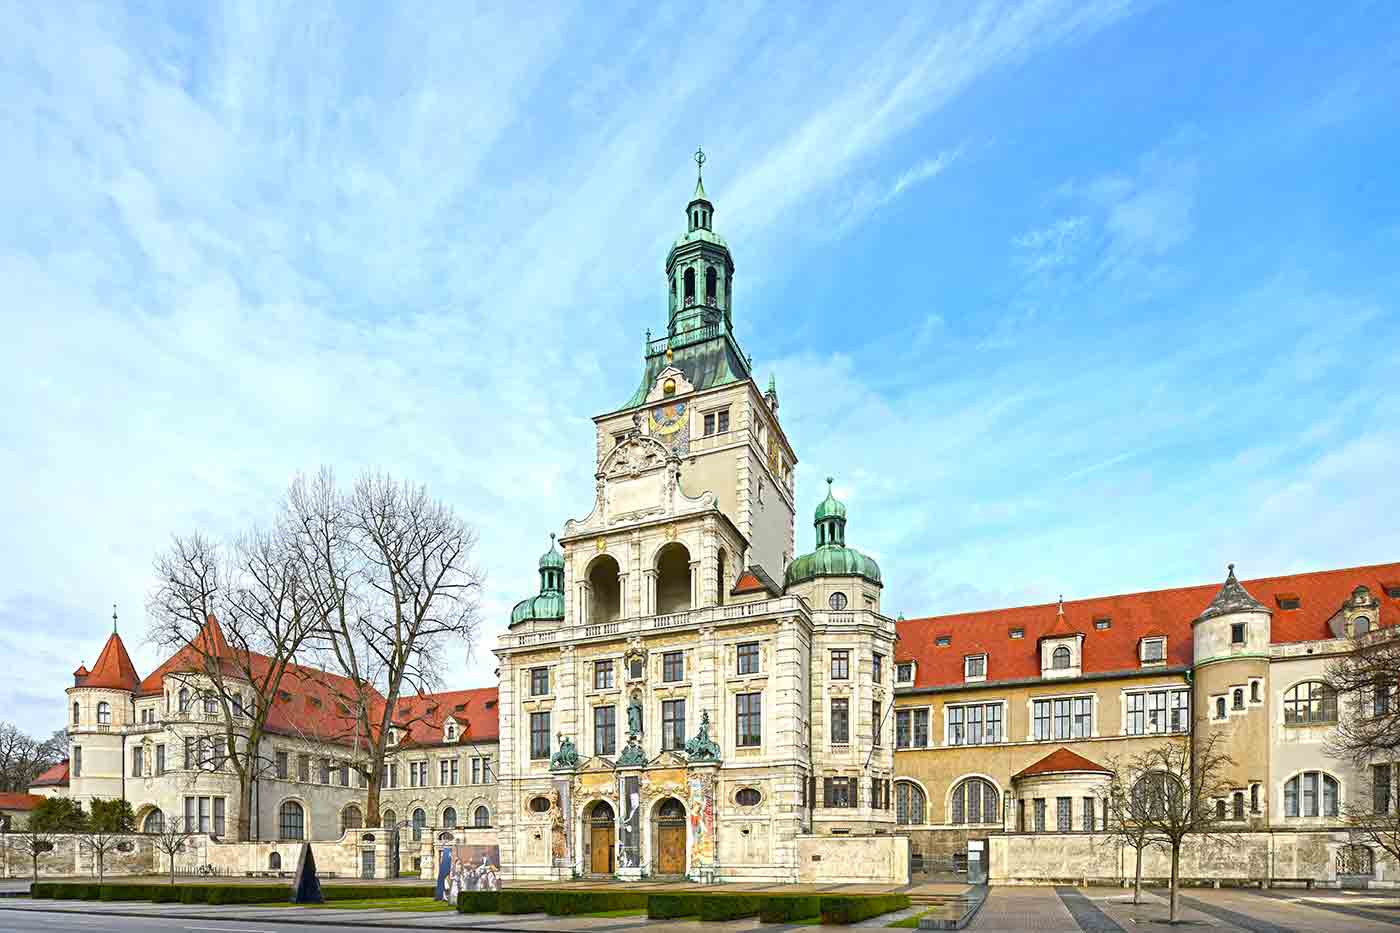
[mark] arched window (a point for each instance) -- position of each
(388, 819)
(1312, 701)
(689, 286)
(1219, 707)
(291, 821)
(711, 286)
(449, 818)
(351, 818)
(605, 595)
(670, 809)
(211, 705)
(1360, 626)
(154, 822)
(1239, 698)
(75, 714)
(104, 713)
(1155, 794)
(274, 861)
(1237, 804)
(1060, 659)
(184, 700)
(1312, 793)
(420, 820)
(909, 804)
(975, 801)
(481, 819)
(1220, 809)
(672, 578)
(1254, 692)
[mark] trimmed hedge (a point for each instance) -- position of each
(671, 906)
(218, 893)
(364, 892)
(855, 908)
(560, 903)
(789, 908)
(730, 907)
(478, 902)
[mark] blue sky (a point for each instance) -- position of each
(1072, 297)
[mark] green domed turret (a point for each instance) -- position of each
(831, 558)
(548, 604)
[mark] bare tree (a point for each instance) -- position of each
(236, 624)
(99, 843)
(1366, 679)
(33, 843)
(173, 837)
(23, 757)
(391, 572)
(1125, 823)
(1178, 792)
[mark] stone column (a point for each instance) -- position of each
(624, 598)
(649, 592)
(697, 590)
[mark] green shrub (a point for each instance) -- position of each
(717, 908)
(42, 889)
(788, 908)
(165, 894)
(193, 894)
(670, 906)
(840, 909)
(525, 901)
(592, 902)
(478, 902)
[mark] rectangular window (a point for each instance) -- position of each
(709, 424)
(218, 816)
(476, 770)
(904, 673)
(748, 732)
(1236, 633)
(723, 420)
(1083, 717)
(1148, 713)
(877, 667)
(325, 770)
(282, 765)
(1087, 814)
(840, 665)
(1039, 814)
(1154, 650)
(77, 761)
(748, 658)
(486, 770)
(839, 793)
(974, 724)
(454, 773)
(1380, 788)
(1040, 719)
(604, 730)
(975, 667)
(1310, 793)
(602, 675)
(160, 760)
(191, 822)
(877, 719)
(673, 666)
(672, 724)
(1380, 700)
(539, 736)
(1062, 719)
(303, 767)
(1157, 712)
(903, 728)
(1063, 821)
(841, 721)
(204, 814)
(539, 681)
(413, 774)
(442, 773)
(956, 735)
(921, 728)
(138, 764)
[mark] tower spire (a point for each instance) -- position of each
(114, 618)
(699, 175)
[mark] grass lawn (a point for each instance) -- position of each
(386, 903)
(912, 923)
(628, 912)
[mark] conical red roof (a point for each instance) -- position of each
(113, 669)
(1059, 761)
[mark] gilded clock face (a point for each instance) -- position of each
(667, 419)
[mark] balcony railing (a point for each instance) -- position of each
(685, 338)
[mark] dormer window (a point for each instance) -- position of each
(449, 732)
(1392, 590)
(1061, 656)
(1018, 633)
(943, 641)
(393, 737)
(1103, 624)
(904, 672)
(1060, 659)
(1289, 600)
(1154, 650)
(975, 667)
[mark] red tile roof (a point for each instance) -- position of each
(748, 583)
(1059, 761)
(20, 801)
(1132, 617)
(113, 669)
(57, 776)
(476, 712)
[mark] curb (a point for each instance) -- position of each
(976, 902)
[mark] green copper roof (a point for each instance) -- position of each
(546, 606)
(832, 561)
(699, 191)
(712, 360)
(831, 506)
(552, 559)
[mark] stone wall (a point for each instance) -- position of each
(1044, 858)
(847, 859)
(70, 858)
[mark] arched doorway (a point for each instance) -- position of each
(605, 601)
(672, 579)
(668, 837)
(602, 838)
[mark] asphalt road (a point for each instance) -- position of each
(33, 920)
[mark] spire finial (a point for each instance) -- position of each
(551, 539)
(829, 481)
(699, 165)
(1061, 610)
(114, 618)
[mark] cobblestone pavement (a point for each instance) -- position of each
(1024, 909)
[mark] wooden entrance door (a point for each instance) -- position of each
(600, 843)
(670, 849)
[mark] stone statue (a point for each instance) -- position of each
(634, 716)
(702, 747)
(566, 757)
(632, 753)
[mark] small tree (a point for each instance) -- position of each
(1125, 825)
(172, 838)
(112, 816)
(1175, 795)
(58, 815)
(33, 843)
(99, 843)
(1367, 678)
